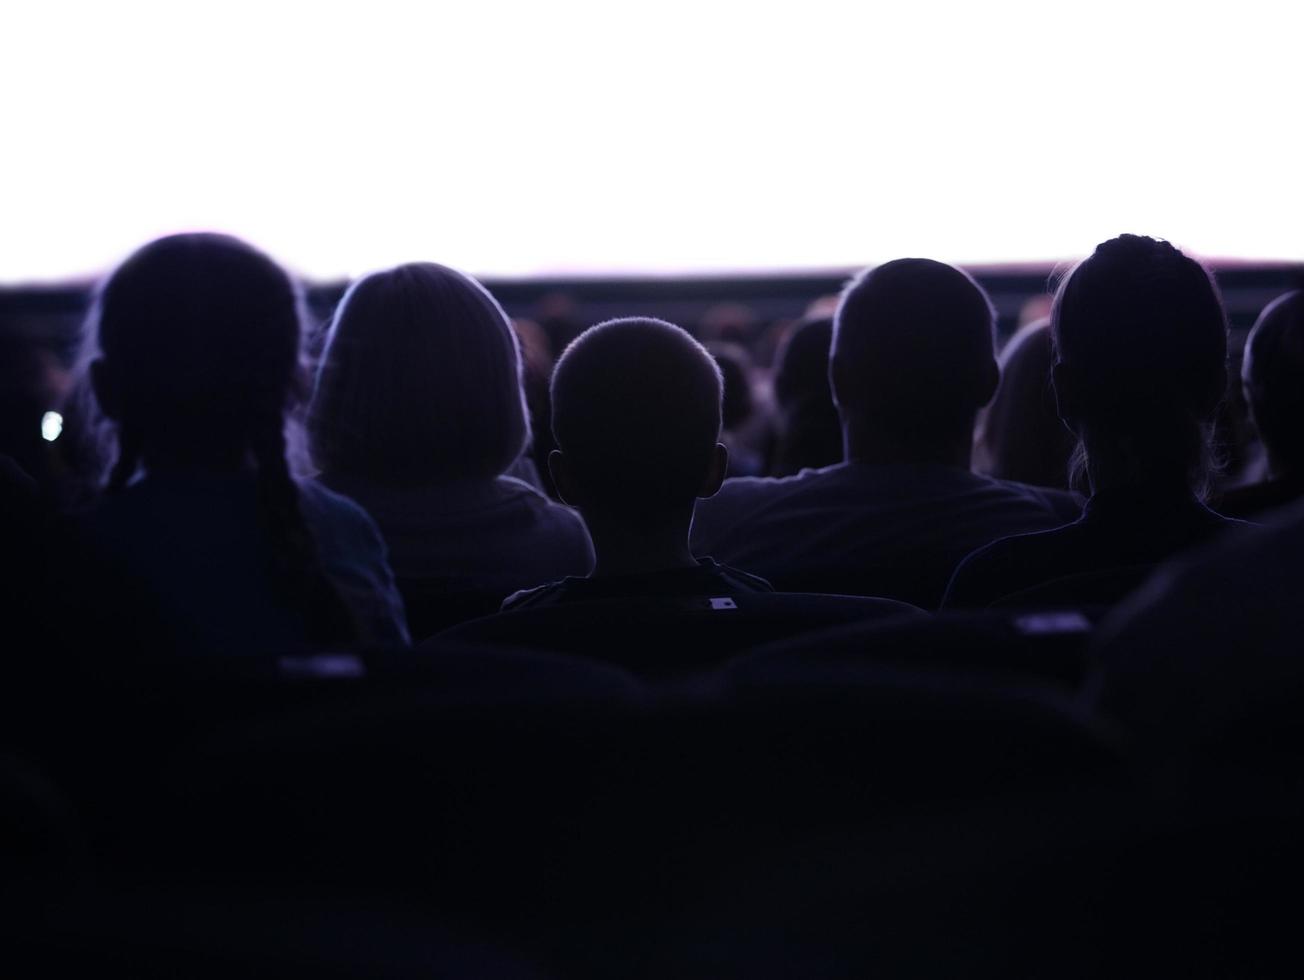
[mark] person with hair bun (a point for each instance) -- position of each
(195, 347)
(419, 415)
(1140, 366)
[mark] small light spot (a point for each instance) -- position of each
(51, 426)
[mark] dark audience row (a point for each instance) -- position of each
(427, 509)
(396, 659)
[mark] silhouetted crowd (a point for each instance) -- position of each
(897, 524)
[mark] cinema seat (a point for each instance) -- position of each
(434, 604)
(1047, 646)
(1094, 592)
(667, 636)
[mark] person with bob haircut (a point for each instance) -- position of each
(912, 361)
(194, 347)
(419, 414)
(636, 411)
(1272, 376)
(1140, 338)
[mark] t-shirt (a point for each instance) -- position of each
(708, 579)
(894, 530)
(498, 535)
(1124, 530)
(197, 545)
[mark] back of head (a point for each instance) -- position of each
(802, 368)
(1140, 339)
(1021, 436)
(735, 366)
(1273, 377)
(810, 434)
(420, 381)
(913, 351)
(636, 409)
(199, 339)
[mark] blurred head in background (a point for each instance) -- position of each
(1020, 435)
(810, 433)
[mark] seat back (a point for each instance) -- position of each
(672, 635)
(1095, 591)
(1046, 647)
(435, 604)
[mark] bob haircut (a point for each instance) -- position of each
(419, 382)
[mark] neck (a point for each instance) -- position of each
(1119, 464)
(867, 444)
(629, 545)
(1108, 474)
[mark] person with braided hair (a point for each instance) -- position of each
(195, 361)
(1140, 365)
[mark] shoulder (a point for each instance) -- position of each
(1063, 504)
(542, 595)
(985, 575)
(744, 487)
(517, 492)
(736, 578)
(551, 524)
(333, 515)
(744, 496)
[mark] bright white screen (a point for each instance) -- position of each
(556, 137)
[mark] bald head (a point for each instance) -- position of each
(913, 356)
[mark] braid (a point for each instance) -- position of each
(296, 567)
(128, 460)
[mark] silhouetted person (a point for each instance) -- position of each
(197, 343)
(27, 393)
(1272, 374)
(1020, 436)
(912, 363)
(810, 433)
(738, 408)
(1140, 366)
(636, 408)
(418, 414)
(536, 376)
(21, 564)
(1214, 638)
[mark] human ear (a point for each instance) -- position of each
(716, 472)
(562, 477)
